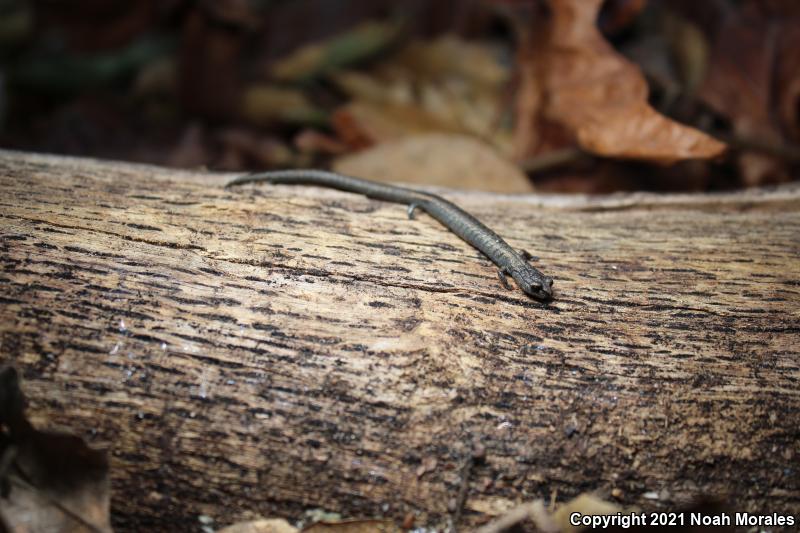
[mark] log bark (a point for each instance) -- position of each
(271, 349)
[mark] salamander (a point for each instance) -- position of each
(509, 261)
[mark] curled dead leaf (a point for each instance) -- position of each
(571, 76)
(442, 85)
(362, 124)
(455, 161)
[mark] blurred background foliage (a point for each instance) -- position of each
(501, 95)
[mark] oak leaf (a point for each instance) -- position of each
(573, 78)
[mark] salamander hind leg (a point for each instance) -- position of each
(502, 273)
(527, 256)
(411, 209)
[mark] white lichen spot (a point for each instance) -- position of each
(202, 388)
(384, 344)
(122, 328)
(164, 346)
(115, 349)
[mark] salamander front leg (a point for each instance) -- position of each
(527, 256)
(502, 273)
(411, 209)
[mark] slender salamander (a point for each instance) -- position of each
(469, 228)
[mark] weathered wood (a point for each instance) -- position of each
(266, 350)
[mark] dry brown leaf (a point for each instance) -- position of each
(366, 87)
(190, 151)
(788, 82)
(262, 525)
(618, 15)
(267, 104)
(54, 481)
(241, 144)
(156, 78)
(572, 77)
(589, 505)
(689, 50)
(754, 78)
(454, 161)
(444, 85)
(534, 512)
(585, 504)
(450, 57)
(320, 58)
(361, 124)
(311, 141)
(354, 526)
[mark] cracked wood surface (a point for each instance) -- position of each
(272, 349)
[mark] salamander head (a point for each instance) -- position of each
(534, 283)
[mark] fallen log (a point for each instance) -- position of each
(267, 350)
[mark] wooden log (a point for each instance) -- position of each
(271, 349)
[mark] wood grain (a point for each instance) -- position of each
(273, 349)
